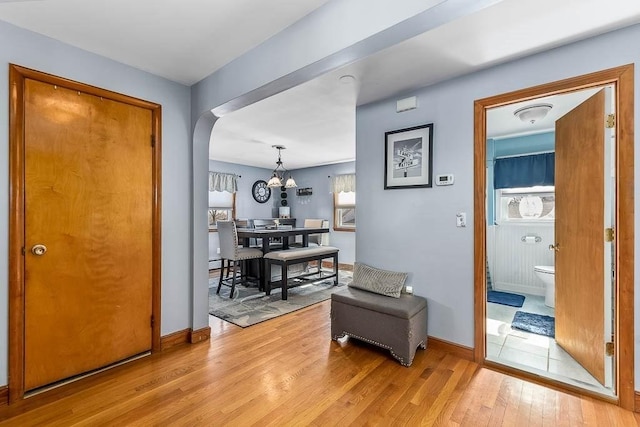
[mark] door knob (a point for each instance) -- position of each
(39, 250)
(555, 247)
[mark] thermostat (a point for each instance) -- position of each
(444, 179)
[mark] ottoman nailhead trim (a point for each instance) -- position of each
(379, 344)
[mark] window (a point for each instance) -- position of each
(527, 204)
(222, 207)
(344, 211)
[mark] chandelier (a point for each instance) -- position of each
(279, 173)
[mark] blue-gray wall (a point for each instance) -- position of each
(414, 230)
(320, 204)
(31, 50)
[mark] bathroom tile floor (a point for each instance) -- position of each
(533, 353)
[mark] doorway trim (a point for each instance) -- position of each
(622, 77)
(17, 76)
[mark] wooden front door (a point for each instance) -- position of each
(580, 223)
(88, 192)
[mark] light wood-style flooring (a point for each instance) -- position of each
(287, 371)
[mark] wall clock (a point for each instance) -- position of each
(261, 193)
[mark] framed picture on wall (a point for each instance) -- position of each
(407, 157)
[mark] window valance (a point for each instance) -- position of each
(219, 181)
(524, 171)
(343, 183)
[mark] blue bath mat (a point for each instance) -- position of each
(534, 323)
(505, 298)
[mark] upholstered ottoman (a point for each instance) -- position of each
(398, 324)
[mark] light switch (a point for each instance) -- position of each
(461, 219)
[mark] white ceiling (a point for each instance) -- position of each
(501, 122)
(500, 33)
(315, 121)
(183, 41)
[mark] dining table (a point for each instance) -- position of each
(268, 234)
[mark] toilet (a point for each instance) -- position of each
(547, 273)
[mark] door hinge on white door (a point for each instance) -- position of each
(611, 121)
(610, 349)
(609, 235)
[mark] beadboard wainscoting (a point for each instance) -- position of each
(511, 260)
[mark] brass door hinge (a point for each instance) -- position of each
(153, 321)
(609, 235)
(153, 141)
(610, 349)
(611, 121)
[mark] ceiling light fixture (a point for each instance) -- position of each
(533, 113)
(279, 173)
(347, 79)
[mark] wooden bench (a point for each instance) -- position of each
(299, 256)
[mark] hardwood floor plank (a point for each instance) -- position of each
(471, 397)
(500, 406)
(353, 404)
(513, 402)
(288, 371)
(407, 406)
(476, 417)
(439, 391)
(304, 412)
(445, 417)
(537, 406)
(524, 406)
(565, 407)
(588, 411)
(550, 408)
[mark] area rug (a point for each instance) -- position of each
(250, 306)
(534, 323)
(505, 298)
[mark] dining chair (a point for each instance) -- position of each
(230, 251)
(266, 224)
(315, 239)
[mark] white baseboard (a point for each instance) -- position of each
(512, 287)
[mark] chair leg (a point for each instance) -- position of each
(267, 276)
(228, 268)
(243, 271)
(233, 279)
(285, 280)
(221, 274)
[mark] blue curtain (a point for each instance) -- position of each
(524, 171)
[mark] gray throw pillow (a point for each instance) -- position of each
(383, 282)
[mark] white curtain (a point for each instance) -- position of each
(219, 181)
(343, 183)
